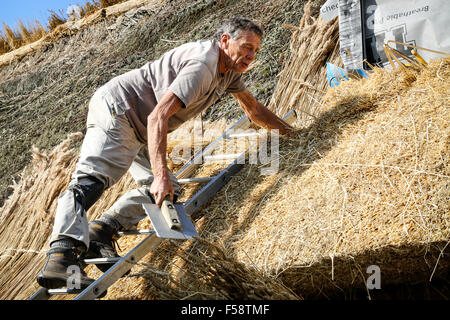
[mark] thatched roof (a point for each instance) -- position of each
(365, 181)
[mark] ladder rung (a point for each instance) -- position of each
(194, 180)
(101, 260)
(243, 135)
(222, 157)
(135, 232)
(119, 269)
(63, 291)
(190, 167)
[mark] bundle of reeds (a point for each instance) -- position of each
(217, 275)
(26, 219)
(313, 43)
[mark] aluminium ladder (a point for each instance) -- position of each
(124, 264)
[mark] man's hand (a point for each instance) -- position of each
(260, 115)
(160, 188)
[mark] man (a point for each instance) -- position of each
(127, 126)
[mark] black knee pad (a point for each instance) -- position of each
(87, 191)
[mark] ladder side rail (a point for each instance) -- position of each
(209, 190)
(41, 294)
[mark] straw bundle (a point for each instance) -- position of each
(26, 219)
(216, 276)
(313, 43)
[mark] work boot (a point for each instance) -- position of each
(102, 243)
(63, 268)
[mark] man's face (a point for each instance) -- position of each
(240, 52)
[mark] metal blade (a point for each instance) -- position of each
(161, 227)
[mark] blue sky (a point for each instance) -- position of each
(29, 10)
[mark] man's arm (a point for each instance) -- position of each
(157, 128)
(259, 114)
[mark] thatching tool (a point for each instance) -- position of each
(170, 221)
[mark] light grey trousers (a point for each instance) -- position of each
(110, 148)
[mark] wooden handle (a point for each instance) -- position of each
(170, 214)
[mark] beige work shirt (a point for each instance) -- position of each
(190, 71)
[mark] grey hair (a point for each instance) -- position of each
(235, 25)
